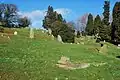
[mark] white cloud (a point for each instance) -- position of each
(63, 11)
(37, 16)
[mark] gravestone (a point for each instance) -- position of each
(104, 41)
(103, 49)
(64, 60)
(15, 33)
(31, 33)
(8, 37)
(118, 46)
(43, 31)
(65, 63)
(52, 37)
(59, 38)
(78, 43)
(75, 33)
(49, 31)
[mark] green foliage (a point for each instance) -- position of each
(106, 13)
(97, 24)
(116, 23)
(90, 27)
(105, 29)
(24, 22)
(62, 29)
(58, 25)
(51, 17)
(105, 32)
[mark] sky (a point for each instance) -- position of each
(70, 9)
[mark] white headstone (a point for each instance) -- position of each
(8, 37)
(56, 78)
(104, 41)
(78, 43)
(49, 31)
(59, 38)
(31, 33)
(42, 31)
(75, 32)
(15, 33)
(118, 45)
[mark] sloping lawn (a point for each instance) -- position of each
(22, 58)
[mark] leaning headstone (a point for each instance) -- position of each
(15, 33)
(59, 38)
(49, 31)
(31, 33)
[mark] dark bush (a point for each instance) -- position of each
(1, 30)
(98, 40)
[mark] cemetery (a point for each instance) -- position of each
(43, 44)
(43, 54)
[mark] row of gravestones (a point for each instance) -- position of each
(49, 31)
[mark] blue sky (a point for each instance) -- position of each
(70, 9)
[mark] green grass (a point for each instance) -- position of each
(22, 58)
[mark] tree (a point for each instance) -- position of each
(106, 13)
(24, 22)
(51, 17)
(116, 23)
(62, 29)
(97, 24)
(90, 27)
(105, 29)
(8, 14)
(58, 25)
(103, 32)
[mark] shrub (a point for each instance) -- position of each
(98, 40)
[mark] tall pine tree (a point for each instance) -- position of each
(90, 26)
(116, 23)
(97, 24)
(58, 25)
(106, 12)
(105, 29)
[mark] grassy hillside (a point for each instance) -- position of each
(22, 58)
